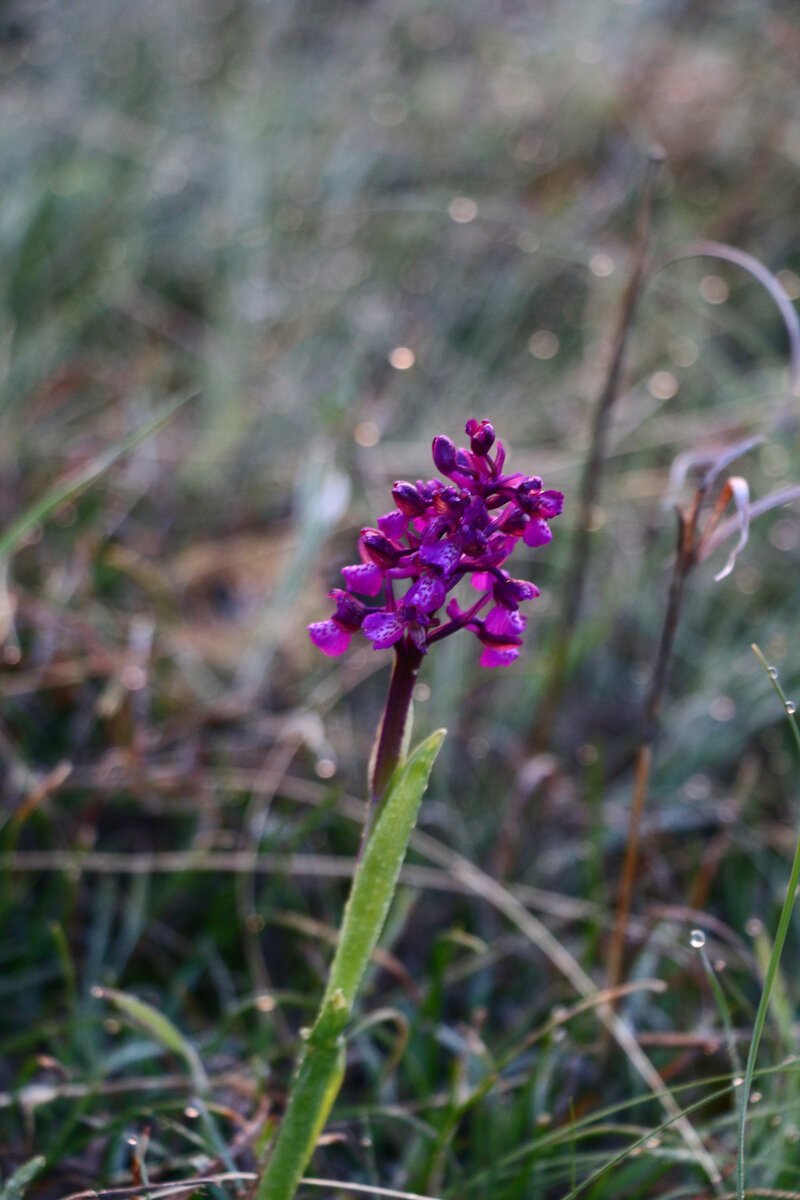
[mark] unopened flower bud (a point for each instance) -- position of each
(444, 454)
(481, 436)
(408, 499)
(379, 549)
(512, 592)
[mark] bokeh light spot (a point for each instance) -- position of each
(714, 289)
(402, 358)
(366, 433)
(722, 708)
(663, 385)
(683, 351)
(790, 282)
(462, 210)
(601, 265)
(544, 344)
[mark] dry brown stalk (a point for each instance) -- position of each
(577, 569)
(694, 545)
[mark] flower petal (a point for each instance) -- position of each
(383, 628)
(550, 503)
(537, 532)
(444, 554)
(330, 637)
(365, 578)
(500, 621)
(418, 636)
(427, 594)
(393, 525)
(499, 655)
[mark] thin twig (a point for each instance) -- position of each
(684, 560)
(693, 546)
(32, 1095)
(577, 570)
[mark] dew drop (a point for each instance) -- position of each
(772, 672)
(697, 939)
(791, 707)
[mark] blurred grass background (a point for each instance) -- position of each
(341, 228)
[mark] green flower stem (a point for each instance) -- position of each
(318, 1077)
(320, 1069)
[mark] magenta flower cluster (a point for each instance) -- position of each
(437, 534)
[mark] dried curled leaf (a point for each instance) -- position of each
(739, 489)
(758, 508)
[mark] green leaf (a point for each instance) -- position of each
(375, 880)
(16, 1186)
(316, 1084)
(322, 1062)
(159, 1027)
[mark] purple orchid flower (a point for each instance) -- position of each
(438, 534)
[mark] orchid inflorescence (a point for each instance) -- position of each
(438, 533)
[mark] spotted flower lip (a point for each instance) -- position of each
(333, 636)
(439, 533)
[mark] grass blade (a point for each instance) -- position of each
(17, 1185)
(777, 949)
(159, 1027)
(46, 505)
